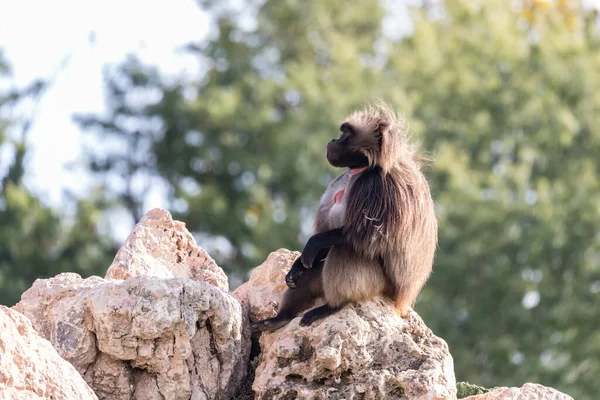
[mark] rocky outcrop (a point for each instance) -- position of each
(364, 351)
(263, 291)
(161, 247)
(30, 368)
(529, 391)
(162, 326)
(146, 337)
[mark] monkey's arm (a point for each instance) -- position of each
(318, 242)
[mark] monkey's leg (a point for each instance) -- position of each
(319, 241)
(295, 300)
(298, 269)
(317, 314)
(347, 278)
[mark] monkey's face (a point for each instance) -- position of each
(349, 150)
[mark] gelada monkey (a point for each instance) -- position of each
(387, 240)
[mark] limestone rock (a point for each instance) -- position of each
(145, 337)
(161, 247)
(529, 391)
(364, 351)
(30, 368)
(263, 292)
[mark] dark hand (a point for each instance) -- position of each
(320, 242)
(291, 279)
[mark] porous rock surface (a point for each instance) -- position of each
(145, 337)
(30, 368)
(161, 247)
(529, 391)
(364, 351)
(262, 293)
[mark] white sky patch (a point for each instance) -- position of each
(38, 35)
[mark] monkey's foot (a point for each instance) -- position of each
(317, 313)
(269, 325)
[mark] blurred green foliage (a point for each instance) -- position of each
(35, 240)
(505, 95)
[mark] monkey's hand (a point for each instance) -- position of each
(292, 276)
(318, 242)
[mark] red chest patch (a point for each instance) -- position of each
(338, 196)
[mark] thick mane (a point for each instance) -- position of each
(394, 141)
(389, 205)
(387, 211)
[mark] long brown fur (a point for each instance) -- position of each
(390, 213)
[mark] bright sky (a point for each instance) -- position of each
(37, 35)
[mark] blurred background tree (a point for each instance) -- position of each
(505, 94)
(35, 240)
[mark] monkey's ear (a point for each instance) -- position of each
(390, 146)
